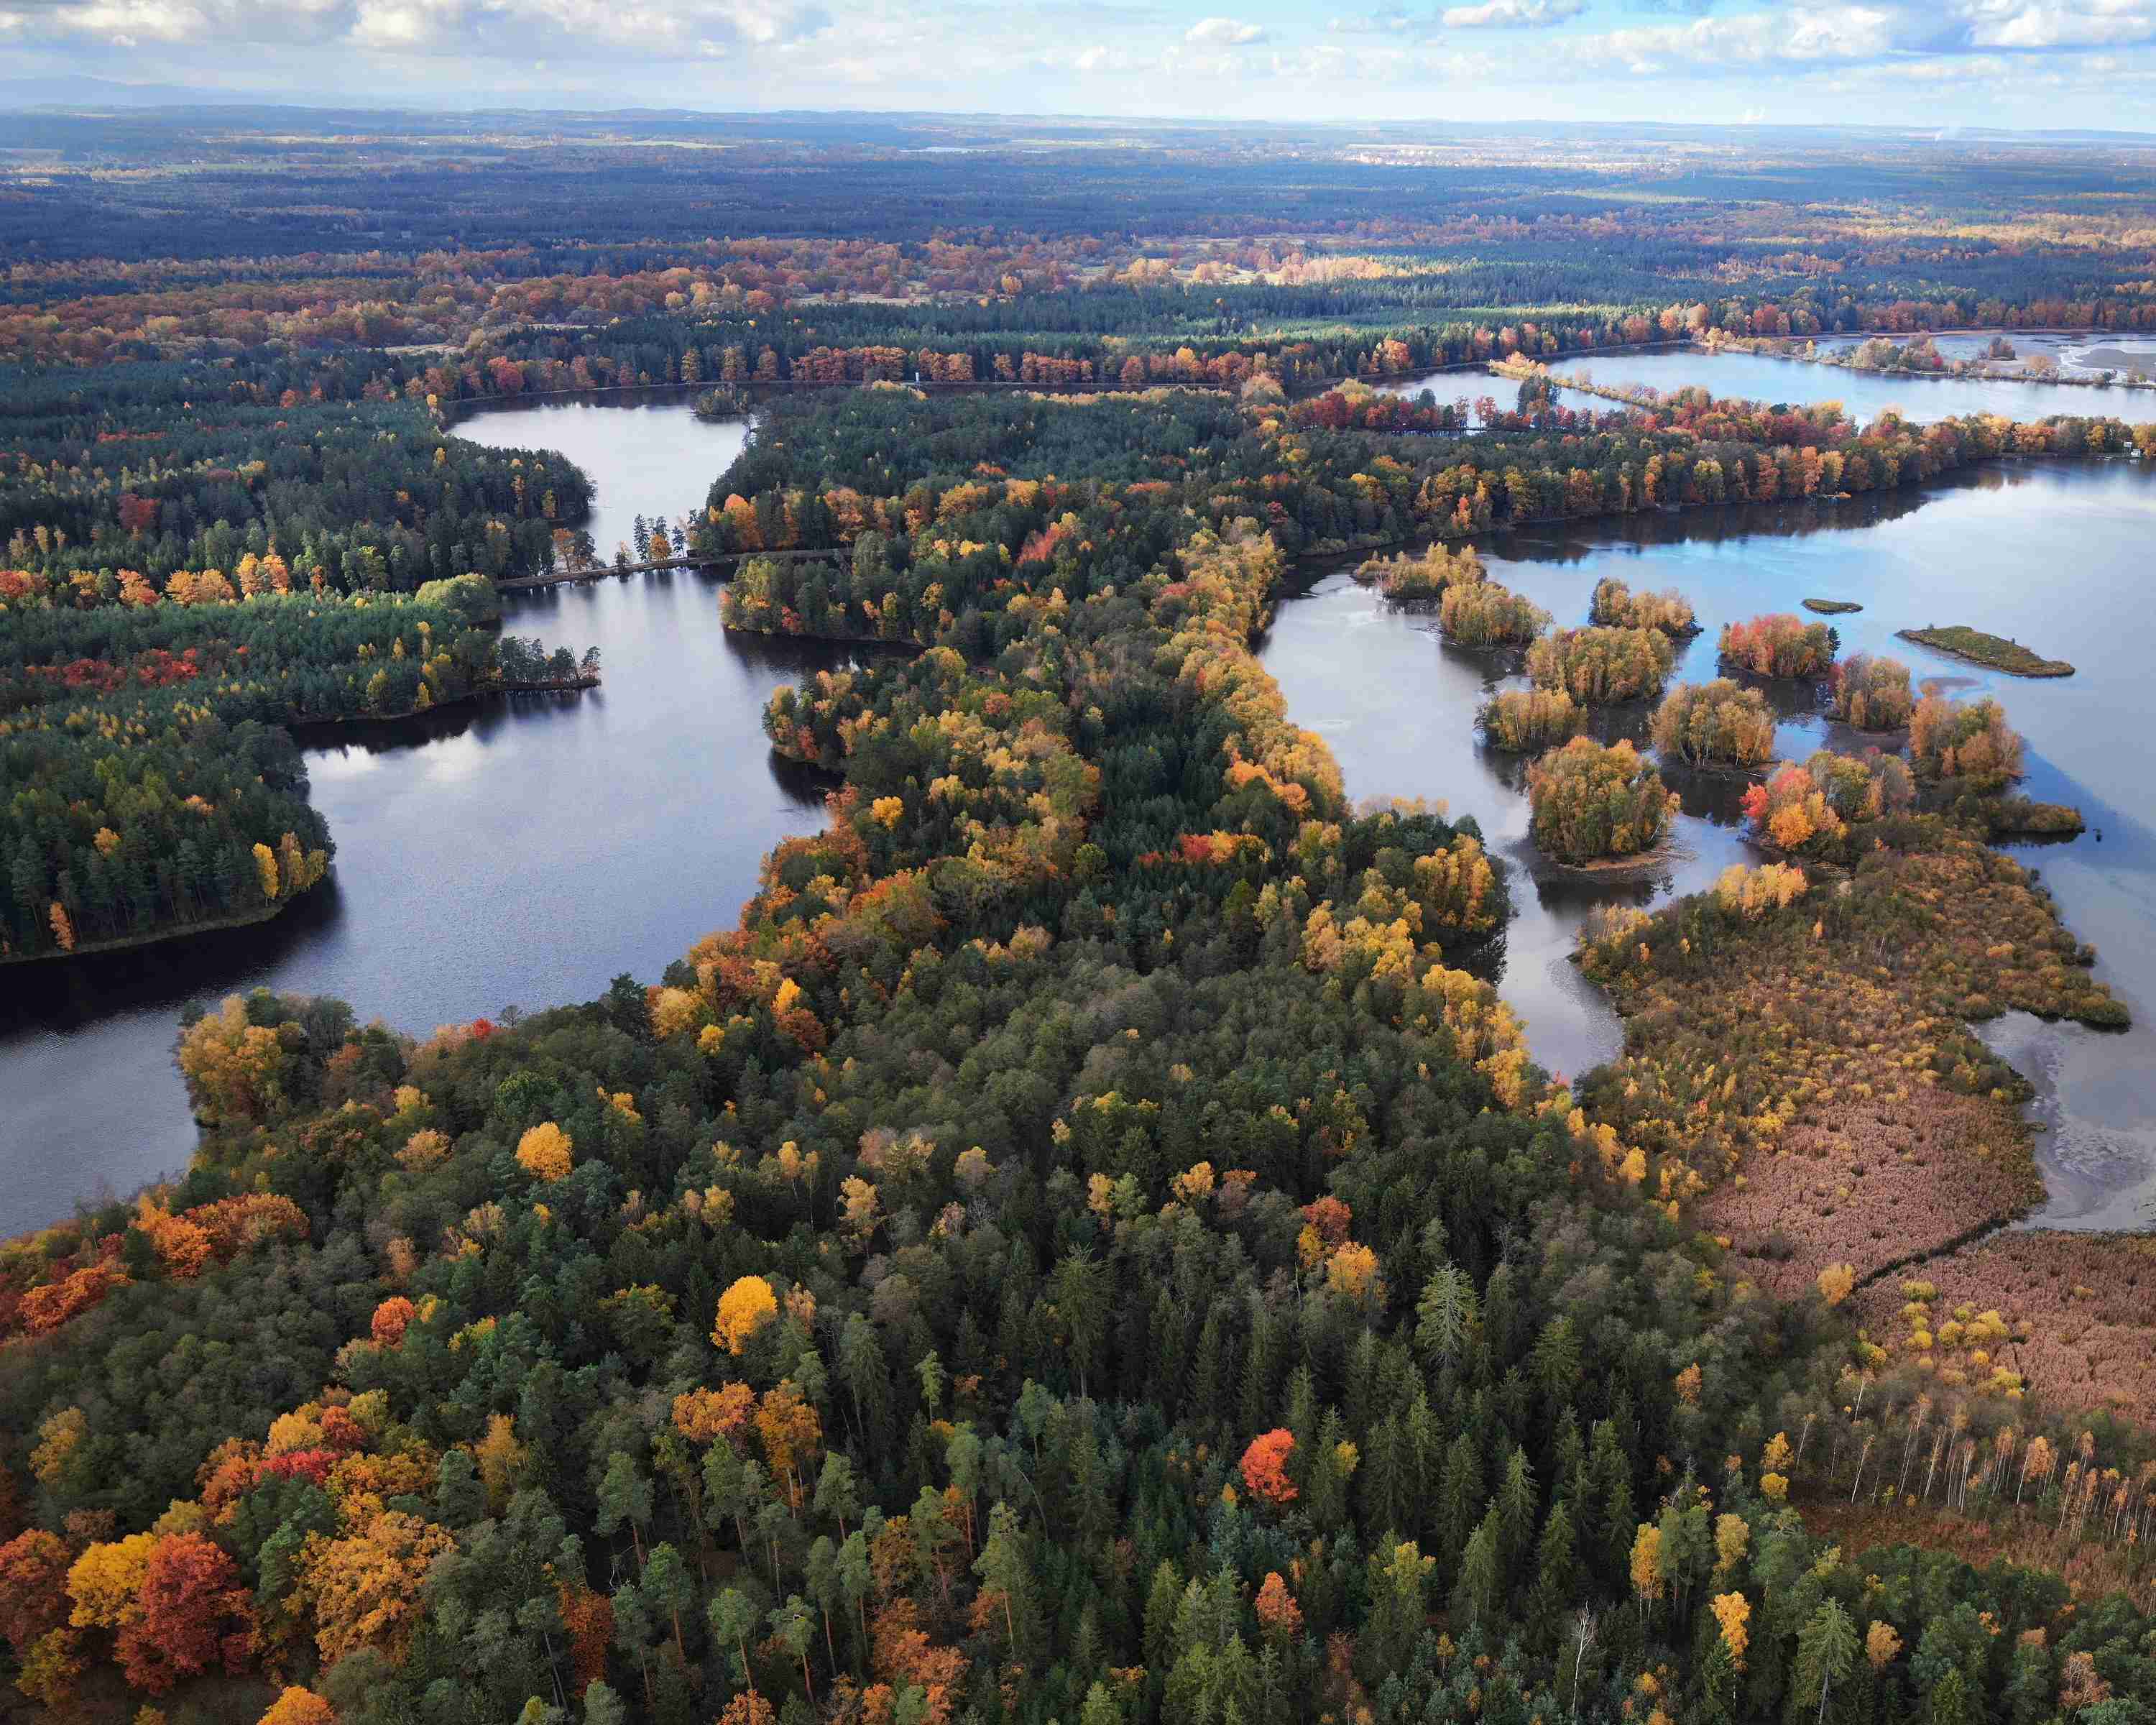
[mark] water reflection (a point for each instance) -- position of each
(2051, 554)
(523, 851)
(1921, 399)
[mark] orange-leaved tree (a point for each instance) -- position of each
(1264, 1466)
(299, 1707)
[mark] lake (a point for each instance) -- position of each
(1749, 376)
(2075, 355)
(517, 852)
(2053, 554)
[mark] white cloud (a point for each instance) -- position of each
(1390, 23)
(1511, 14)
(511, 28)
(1224, 32)
(2089, 24)
(1822, 33)
(403, 26)
(1929, 60)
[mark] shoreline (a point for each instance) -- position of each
(1942, 375)
(574, 685)
(151, 938)
(270, 912)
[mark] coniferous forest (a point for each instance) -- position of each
(1089, 1243)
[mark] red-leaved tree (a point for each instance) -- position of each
(194, 1615)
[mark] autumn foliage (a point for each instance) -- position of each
(1591, 801)
(1424, 579)
(1616, 606)
(392, 1317)
(1809, 810)
(1485, 613)
(1967, 741)
(34, 1568)
(1528, 721)
(545, 1152)
(1717, 724)
(1873, 693)
(1596, 666)
(192, 1616)
(746, 1307)
(1264, 1466)
(299, 1707)
(1780, 644)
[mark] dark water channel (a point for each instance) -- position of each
(2056, 555)
(515, 852)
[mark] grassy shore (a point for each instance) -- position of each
(1973, 644)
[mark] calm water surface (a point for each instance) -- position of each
(520, 852)
(1749, 376)
(2056, 555)
(2075, 355)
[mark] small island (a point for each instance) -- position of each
(2018, 817)
(1832, 607)
(1973, 644)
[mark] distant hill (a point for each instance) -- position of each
(76, 92)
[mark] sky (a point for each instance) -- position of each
(1924, 63)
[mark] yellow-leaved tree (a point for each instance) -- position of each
(365, 1588)
(544, 1152)
(299, 1707)
(744, 1308)
(1647, 1564)
(105, 1581)
(1733, 1612)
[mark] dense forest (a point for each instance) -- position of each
(1088, 1244)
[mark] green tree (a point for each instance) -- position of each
(794, 1627)
(623, 1500)
(733, 1620)
(1826, 1647)
(1005, 1571)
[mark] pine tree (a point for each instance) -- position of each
(623, 1500)
(1459, 1494)
(1826, 1647)
(1557, 1567)
(1517, 1502)
(1477, 1594)
(1003, 1569)
(1380, 1482)
(668, 1589)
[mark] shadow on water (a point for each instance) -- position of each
(515, 851)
